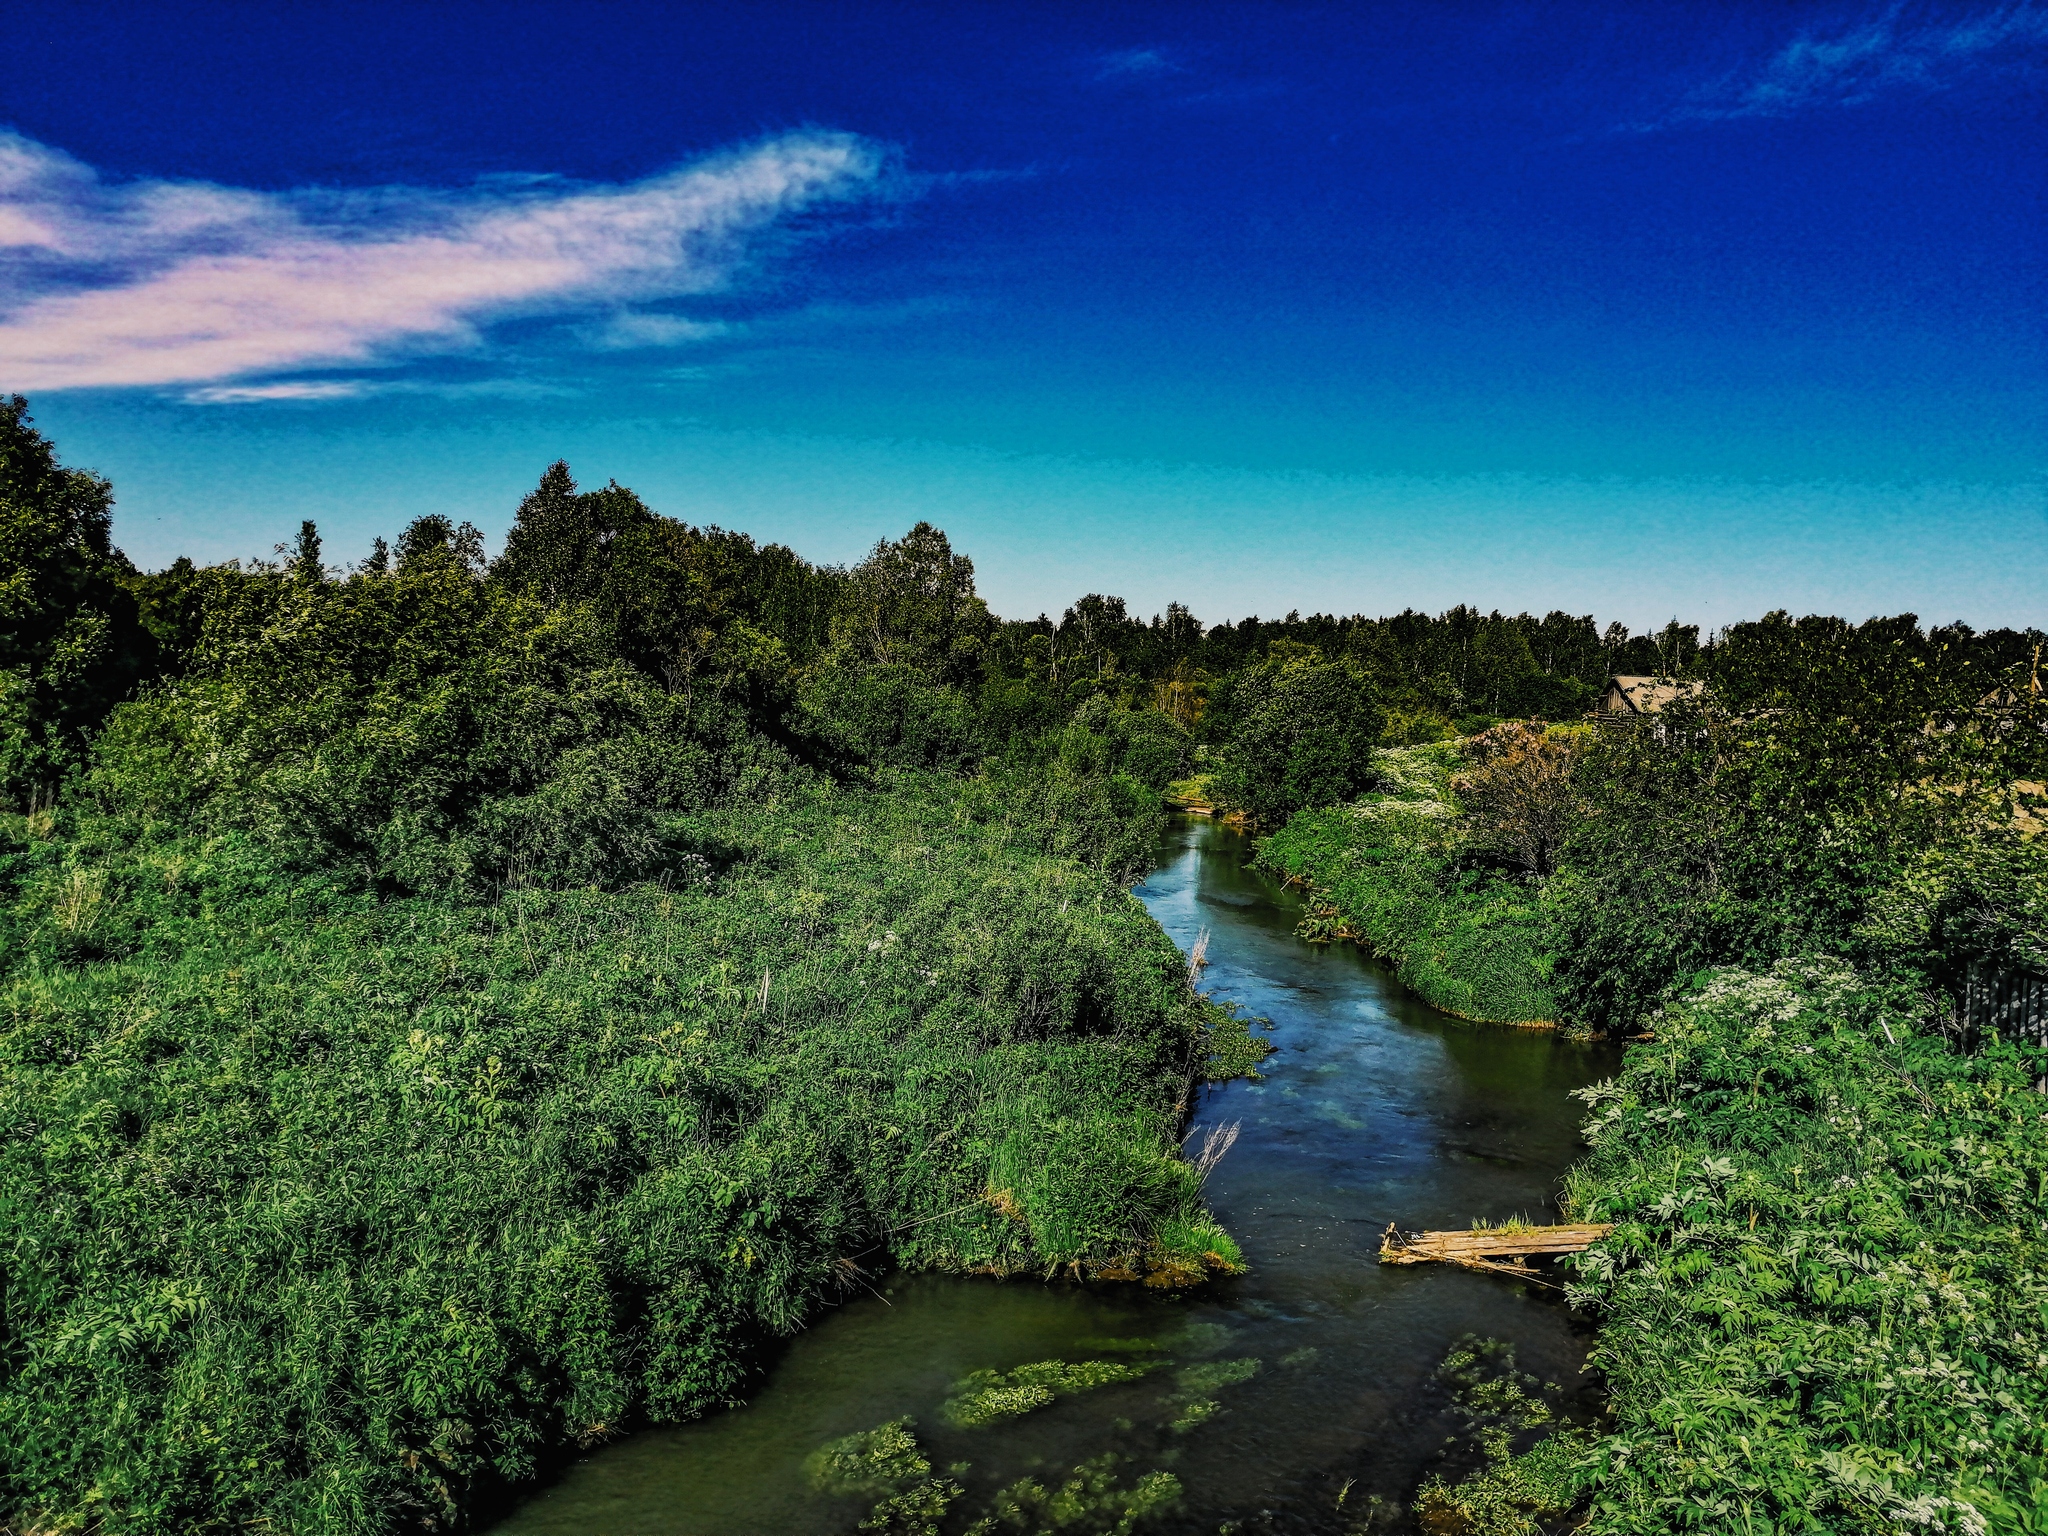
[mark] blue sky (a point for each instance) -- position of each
(1634, 310)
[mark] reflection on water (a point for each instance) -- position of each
(1375, 1109)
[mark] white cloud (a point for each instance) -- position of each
(289, 389)
(163, 282)
(627, 330)
(1889, 52)
(1135, 61)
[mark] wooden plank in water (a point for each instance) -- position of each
(1487, 1247)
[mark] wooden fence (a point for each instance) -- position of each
(2014, 1003)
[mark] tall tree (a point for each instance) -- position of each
(913, 602)
(70, 645)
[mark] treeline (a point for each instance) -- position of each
(896, 661)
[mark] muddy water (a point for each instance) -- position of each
(1374, 1109)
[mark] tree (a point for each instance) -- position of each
(1519, 797)
(561, 545)
(1302, 734)
(70, 644)
(306, 564)
(913, 603)
(433, 540)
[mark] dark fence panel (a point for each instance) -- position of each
(2014, 1003)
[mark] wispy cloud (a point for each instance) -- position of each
(1167, 80)
(160, 282)
(624, 331)
(289, 389)
(358, 388)
(1895, 50)
(1142, 62)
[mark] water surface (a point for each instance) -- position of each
(1375, 1108)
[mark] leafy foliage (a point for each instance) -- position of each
(1826, 1303)
(71, 644)
(1738, 838)
(1301, 734)
(455, 1008)
(1518, 796)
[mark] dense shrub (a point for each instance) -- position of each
(71, 643)
(1825, 1301)
(1301, 734)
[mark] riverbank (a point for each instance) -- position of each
(1470, 943)
(1307, 1389)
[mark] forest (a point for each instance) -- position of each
(461, 1007)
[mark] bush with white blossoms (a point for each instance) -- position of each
(1824, 1302)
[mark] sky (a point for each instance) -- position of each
(1638, 310)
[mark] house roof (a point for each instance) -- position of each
(2005, 696)
(1645, 695)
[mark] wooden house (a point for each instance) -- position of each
(1628, 699)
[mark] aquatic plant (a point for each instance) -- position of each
(1200, 1380)
(988, 1397)
(872, 1461)
(888, 1465)
(1496, 1405)
(1088, 1502)
(1192, 1403)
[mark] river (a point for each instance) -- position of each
(1375, 1108)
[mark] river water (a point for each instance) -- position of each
(1374, 1109)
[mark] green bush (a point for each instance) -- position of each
(1300, 734)
(71, 641)
(1825, 1299)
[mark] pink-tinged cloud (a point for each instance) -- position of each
(186, 283)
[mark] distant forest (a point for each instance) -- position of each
(86, 629)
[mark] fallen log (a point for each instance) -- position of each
(1496, 1250)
